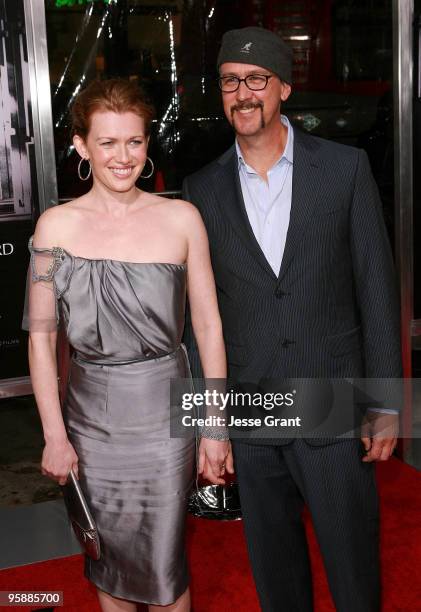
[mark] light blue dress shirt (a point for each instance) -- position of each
(268, 204)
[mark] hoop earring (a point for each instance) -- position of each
(152, 169)
(84, 178)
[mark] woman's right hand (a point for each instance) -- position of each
(58, 458)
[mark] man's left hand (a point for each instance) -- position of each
(379, 435)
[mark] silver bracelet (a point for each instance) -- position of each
(212, 433)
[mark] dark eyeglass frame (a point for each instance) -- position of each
(221, 79)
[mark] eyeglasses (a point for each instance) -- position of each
(255, 82)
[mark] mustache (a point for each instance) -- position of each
(245, 106)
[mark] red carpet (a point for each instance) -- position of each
(221, 579)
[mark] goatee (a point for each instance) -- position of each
(238, 107)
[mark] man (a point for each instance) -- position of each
(306, 289)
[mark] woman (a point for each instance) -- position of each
(115, 264)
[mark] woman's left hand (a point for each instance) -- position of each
(215, 457)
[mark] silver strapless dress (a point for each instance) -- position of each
(125, 321)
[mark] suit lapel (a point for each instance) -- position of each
(231, 202)
(306, 182)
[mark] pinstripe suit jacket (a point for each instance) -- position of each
(333, 311)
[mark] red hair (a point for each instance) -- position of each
(116, 95)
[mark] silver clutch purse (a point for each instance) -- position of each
(80, 517)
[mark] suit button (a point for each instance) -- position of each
(286, 343)
(279, 293)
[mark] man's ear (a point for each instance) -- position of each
(286, 91)
(80, 146)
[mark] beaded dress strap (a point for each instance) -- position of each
(56, 261)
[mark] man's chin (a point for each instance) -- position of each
(244, 130)
(247, 128)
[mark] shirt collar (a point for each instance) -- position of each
(287, 154)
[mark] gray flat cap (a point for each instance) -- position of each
(257, 46)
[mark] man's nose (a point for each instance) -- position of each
(243, 92)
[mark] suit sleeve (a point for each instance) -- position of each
(374, 277)
(188, 337)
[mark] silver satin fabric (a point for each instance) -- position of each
(125, 322)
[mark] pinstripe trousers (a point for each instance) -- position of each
(274, 484)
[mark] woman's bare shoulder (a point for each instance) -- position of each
(189, 216)
(55, 223)
(180, 209)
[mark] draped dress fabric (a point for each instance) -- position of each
(124, 321)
